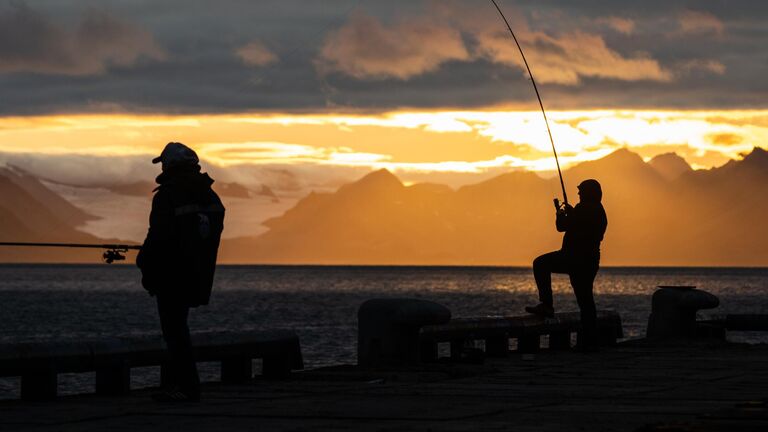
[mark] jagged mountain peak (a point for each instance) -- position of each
(624, 155)
(622, 159)
(754, 161)
(380, 175)
(622, 165)
(671, 156)
(758, 155)
(35, 189)
(670, 165)
(381, 179)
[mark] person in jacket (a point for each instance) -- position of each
(579, 258)
(178, 259)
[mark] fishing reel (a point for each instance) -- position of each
(113, 255)
(559, 207)
(113, 252)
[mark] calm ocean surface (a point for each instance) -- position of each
(46, 302)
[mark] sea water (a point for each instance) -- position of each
(71, 302)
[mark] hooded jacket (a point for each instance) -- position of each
(178, 257)
(584, 225)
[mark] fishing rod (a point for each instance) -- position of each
(541, 104)
(113, 252)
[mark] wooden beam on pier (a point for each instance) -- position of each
(38, 364)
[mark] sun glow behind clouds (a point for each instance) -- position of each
(704, 137)
(447, 141)
(264, 153)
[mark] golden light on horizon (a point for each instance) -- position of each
(444, 141)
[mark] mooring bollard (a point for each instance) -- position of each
(388, 330)
(673, 311)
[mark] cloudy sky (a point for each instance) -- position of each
(434, 90)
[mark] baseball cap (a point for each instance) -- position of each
(176, 154)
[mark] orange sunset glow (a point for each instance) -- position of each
(449, 141)
(422, 114)
(383, 215)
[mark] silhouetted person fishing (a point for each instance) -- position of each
(584, 226)
(178, 259)
(579, 257)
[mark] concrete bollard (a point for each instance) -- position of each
(388, 329)
(673, 311)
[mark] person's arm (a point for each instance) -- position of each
(155, 246)
(588, 222)
(563, 218)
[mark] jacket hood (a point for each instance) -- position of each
(590, 191)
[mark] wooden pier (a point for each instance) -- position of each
(636, 385)
(39, 364)
(525, 332)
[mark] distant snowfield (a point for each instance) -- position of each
(126, 217)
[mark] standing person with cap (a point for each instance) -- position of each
(178, 259)
(579, 258)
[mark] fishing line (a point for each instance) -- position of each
(538, 96)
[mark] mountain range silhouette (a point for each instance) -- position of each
(30, 212)
(661, 213)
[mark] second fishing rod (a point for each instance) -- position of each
(112, 252)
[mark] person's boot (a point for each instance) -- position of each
(541, 309)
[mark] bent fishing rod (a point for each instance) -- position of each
(541, 104)
(112, 252)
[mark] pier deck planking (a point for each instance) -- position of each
(706, 386)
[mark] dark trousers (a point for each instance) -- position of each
(582, 274)
(182, 368)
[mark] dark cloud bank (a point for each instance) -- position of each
(191, 57)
